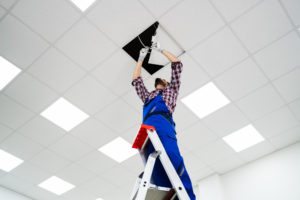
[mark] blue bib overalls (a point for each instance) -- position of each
(156, 113)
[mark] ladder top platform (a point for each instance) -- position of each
(142, 136)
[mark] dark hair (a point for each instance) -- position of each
(159, 81)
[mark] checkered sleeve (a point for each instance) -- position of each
(140, 88)
(175, 76)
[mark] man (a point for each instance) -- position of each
(157, 111)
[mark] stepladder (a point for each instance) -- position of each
(145, 188)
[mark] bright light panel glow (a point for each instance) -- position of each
(243, 138)
(118, 149)
(8, 162)
(56, 185)
(64, 114)
(8, 72)
(99, 199)
(205, 100)
(83, 4)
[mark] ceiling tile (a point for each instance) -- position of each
(39, 15)
(19, 44)
(135, 164)
(226, 120)
(4, 132)
(193, 163)
(91, 46)
(96, 162)
(286, 138)
(214, 151)
(120, 176)
(30, 92)
(260, 102)
(120, 12)
(90, 95)
(78, 193)
(196, 136)
(49, 161)
(192, 76)
(183, 117)
(13, 114)
(132, 99)
(119, 116)
(31, 173)
(70, 147)
(288, 85)
(20, 146)
(75, 174)
(130, 134)
(200, 174)
(94, 133)
(99, 186)
(219, 52)
(56, 70)
(14, 183)
(159, 7)
(122, 67)
(256, 151)
(295, 108)
(188, 34)
(7, 3)
(229, 163)
(258, 28)
(2, 12)
(231, 9)
(241, 79)
(276, 122)
(42, 131)
(293, 7)
(280, 57)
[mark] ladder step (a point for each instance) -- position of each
(157, 194)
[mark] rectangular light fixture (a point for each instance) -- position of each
(243, 138)
(8, 162)
(8, 72)
(118, 150)
(56, 185)
(83, 4)
(64, 114)
(205, 100)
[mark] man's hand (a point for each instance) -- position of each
(155, 44)
(143, 53)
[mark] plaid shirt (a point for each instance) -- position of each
(169, 94)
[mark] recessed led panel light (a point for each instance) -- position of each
(8, 162)
(118, 149)
(64, 114)
(205, 100)
(83, 4)
(8, 72)
(99, 199)
(243, 138)
(56, 185)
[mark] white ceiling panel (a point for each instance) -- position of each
(241, 79)
(286, 138)
(288, 85)
(2, 12)
(206, 19)
(280, 57)
(7, 3)
(183, 117)
(132, 99)
(56, 70)
(30, 92)
(120, 173)
(276, 122)
(258, 28)
(13, 114)
(219, 52)
(42, 131)
(231, 9)
(94, 133)
(260, 102)
(20, 146)
(227, 164)
(293, 7)
(201, 174)
(91, 46)
(79, 193)
(18, 43)
(226, 120)
(295, 108)
(4, 132)
(196, 136)
(90, 95)
(70, 147)
(160, 7)
(129, 15)
(39, 15)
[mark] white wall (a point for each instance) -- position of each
(6, 194)
(274, 177)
